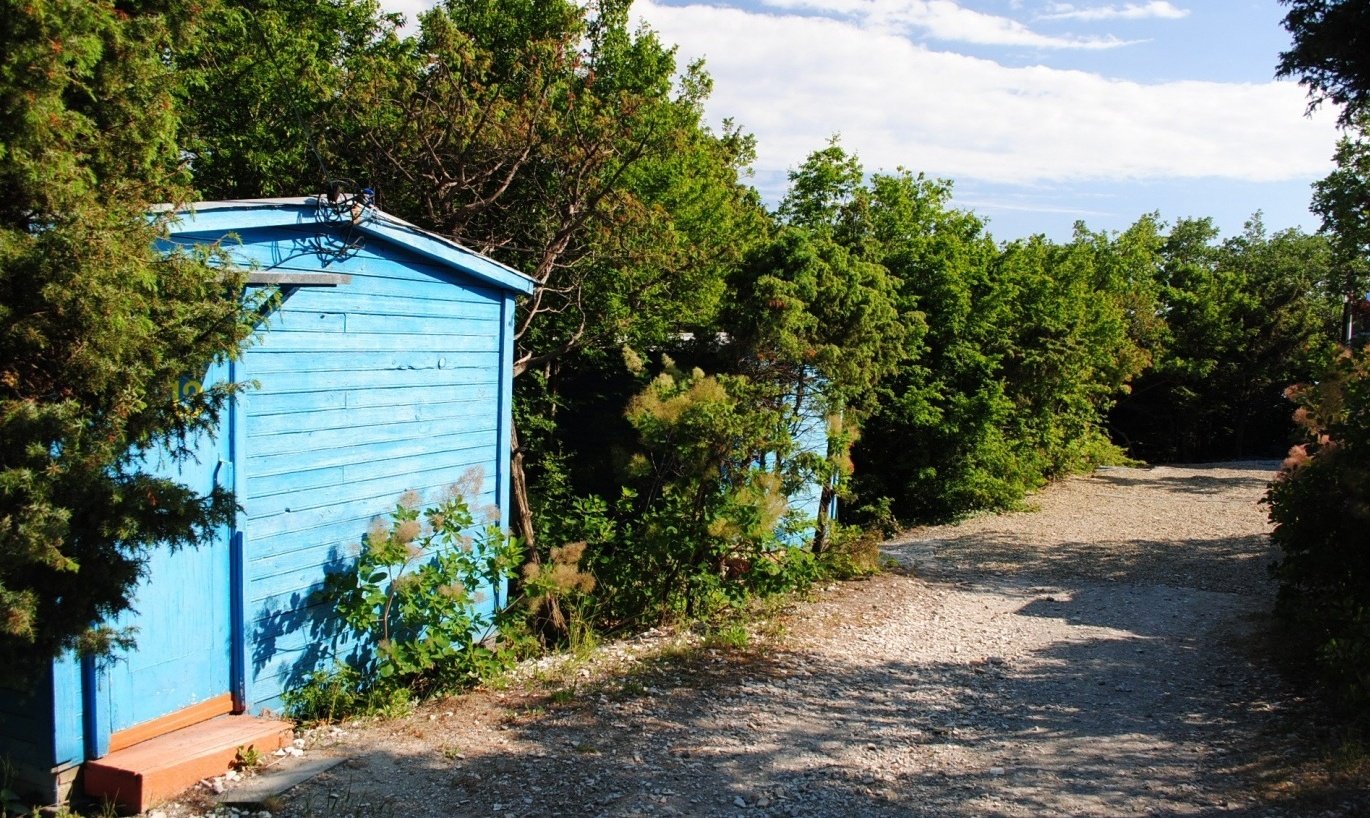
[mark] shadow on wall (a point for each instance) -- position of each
(308, 620)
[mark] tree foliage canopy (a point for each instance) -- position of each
(96, 325)
(1342, 199)
(1243, 318)
(1330, 53)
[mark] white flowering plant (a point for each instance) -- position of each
(430, 594)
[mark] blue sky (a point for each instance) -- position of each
(1040, 112)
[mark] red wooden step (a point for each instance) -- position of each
(153, 771)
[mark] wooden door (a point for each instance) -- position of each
(180, 671)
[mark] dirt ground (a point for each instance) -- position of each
(1102, 654)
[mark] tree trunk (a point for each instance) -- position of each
(518, 485)
(1348, 321)
(820, 531)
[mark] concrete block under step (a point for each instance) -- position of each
(276, 780)
(155, 770)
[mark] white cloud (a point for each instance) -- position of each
(1155, 9)
(794, 80)
(943, 20)
(411, 9)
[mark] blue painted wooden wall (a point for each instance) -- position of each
(391, 383)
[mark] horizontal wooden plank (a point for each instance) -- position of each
(271, 383)
(481, 446)
(300, 526)
(256, 403)
(300, 583)
(481, 338)
(474, 390)
(389, 278)
(443, 434)
(360, 510)
(339, 533)
(482, 322)
(288, 320)
(279, 573)
(365, 365)
(267, 485)
(349, 492)
(390, 306)
(262, 405)
(306, 421)
(314, 556)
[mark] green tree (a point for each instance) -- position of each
(1330, 53)
(936, 444)
(96, 326)
(1342, 199)
(822, 328)
(1243, 319)
(268, 94)
(1077, 336)
(556, 140)
(1027, 346)
(821, 323)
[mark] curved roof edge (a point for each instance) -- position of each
(243, 214)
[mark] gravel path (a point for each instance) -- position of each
(1090, 657)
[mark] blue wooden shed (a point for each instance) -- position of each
(385, 366)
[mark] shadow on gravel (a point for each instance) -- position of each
(1201, 482)
(1228, 564)
(1095, 727)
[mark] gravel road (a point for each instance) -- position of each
(1090, 657)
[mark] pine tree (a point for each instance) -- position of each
(96, 325)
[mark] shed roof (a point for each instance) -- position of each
(244, 214)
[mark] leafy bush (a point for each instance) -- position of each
(428, 596)
(1320, 505)
(700, 521)
(557, 594)
(340, 692)
(855, 552)
(702, 512)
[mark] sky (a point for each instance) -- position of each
(1041, 113)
